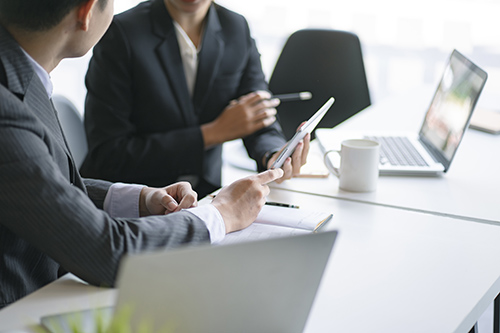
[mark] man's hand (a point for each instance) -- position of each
(241, 118)
(169, 199)
(292, 165)
(241, 202)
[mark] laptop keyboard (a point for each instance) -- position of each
(398, 151)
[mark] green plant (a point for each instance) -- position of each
(120, 322)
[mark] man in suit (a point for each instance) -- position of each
(171, 81)
(52, 220)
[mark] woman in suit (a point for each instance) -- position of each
(168, 84)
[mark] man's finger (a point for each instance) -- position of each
(169, 203)
(269, 175)
(187, 202)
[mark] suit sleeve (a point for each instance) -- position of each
(97, 191)
(39, 205)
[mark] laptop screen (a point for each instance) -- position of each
(451, 108)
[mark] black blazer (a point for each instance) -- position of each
(49, 215)
(142, 125)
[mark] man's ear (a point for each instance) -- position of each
(84, 13)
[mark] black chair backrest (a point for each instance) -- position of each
(326, 63)
(72, 126)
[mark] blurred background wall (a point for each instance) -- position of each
(405, 43)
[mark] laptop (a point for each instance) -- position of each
(262, 286)
(431, 151)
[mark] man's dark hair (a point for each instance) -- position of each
(38, 15)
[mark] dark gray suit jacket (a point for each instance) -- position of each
(142, 125)
(49, 216)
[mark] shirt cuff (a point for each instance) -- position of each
(122, 200)
(213, 220)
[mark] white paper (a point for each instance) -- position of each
(273, 222)
(290, 217)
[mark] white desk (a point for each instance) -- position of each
(65, 294)
(470, 189)
(391, 271)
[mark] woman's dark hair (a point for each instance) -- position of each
(38, 15)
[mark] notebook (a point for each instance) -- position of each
(431, 151)
(261, 286)
(486, 120)
(275, 221)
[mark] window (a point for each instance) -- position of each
(405, 44)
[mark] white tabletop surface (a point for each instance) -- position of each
(399, 271)
(391, 271)
(470, 189)
(63, 295)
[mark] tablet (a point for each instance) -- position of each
(308, 127)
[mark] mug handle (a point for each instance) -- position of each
(329, 164)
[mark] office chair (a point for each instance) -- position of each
(72, 126)
(326, 63)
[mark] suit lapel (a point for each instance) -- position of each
(18, 70)
(27, 86)
(169, 56)
(23, 81)
(210, 58)
(36, 97)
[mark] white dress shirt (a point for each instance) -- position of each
(189, 55)
(122, 200)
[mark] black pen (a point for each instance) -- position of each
(300, 96)
(279, 204)
(269, 203)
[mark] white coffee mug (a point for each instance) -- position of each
(359, 160)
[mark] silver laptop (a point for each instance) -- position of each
(263, 286)
(431, 151)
